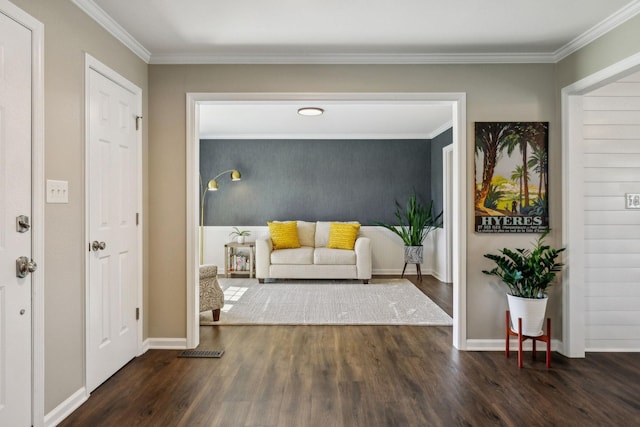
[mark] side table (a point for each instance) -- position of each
(239, 259)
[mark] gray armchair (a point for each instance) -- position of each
(211, 295)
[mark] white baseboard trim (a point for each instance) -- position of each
(63, 410)
(612, 350)
(498, 345)
(165, 344)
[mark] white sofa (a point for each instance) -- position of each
(313, 260)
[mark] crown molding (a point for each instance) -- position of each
(389, 58)
(446, 126)
(108, 23)
(608, 24)
(600, 29)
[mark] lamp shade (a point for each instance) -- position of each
(235, 175)
(212, 185)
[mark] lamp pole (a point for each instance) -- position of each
(212, 185)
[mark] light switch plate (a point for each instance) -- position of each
(57, 191)
(632, 200)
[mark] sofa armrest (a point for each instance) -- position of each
(264, 247)
(363, 257)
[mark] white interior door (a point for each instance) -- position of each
(15, 200)
(113, 262)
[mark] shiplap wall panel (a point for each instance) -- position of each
(614, 304)
(612, 174)
(611, 134)
(623, 289)
(608, 275)
(612, 246)
(611, 103)
(595, 232)
(603, 203)
(613, 345)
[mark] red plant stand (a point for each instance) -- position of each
(521, 338)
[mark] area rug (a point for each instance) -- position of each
(381, 302)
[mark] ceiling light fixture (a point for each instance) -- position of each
(310, 111)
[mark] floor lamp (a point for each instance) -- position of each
(212, 185)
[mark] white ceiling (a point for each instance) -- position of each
(357, 31)
(350, 31)
(341, 120)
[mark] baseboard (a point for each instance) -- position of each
(397, 272)
(498, 345)
(165, 344)
(63, 410)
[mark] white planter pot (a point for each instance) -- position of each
(531, 311)
(240, 239)
(413, 254)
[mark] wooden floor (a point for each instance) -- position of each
(362, 376)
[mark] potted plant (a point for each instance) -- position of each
(239, 235)
(415, 222)
(527, 273)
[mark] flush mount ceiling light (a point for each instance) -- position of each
(310, 111)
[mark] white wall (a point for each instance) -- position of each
(611, 132)
(387, 249)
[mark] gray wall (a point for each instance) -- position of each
(437, 144)
(314, 180)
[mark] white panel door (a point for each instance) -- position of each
(113, 269)
(15, 200)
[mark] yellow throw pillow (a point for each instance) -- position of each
(343, 235)
(284, 235)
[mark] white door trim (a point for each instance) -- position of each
(37, 204)
(457, 101)
(573, 304)
(92, 63)
(447, 205)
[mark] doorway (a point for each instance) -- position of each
(457, 103)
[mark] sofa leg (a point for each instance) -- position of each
(365, 281)
(260, 280)
(216, 314)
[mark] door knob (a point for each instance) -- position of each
(98, 246)
(24, 266)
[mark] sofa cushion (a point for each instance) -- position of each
(284, 235)
(307, 233)
(322, 232)
(302, 255)
(328, 256)
(343, 235)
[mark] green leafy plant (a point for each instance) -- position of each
(238, 233)
(527, 272)
(415, 221)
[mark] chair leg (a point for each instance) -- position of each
(216, 314)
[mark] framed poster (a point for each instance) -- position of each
(511, 181)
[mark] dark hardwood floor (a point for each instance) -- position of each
(362, 376)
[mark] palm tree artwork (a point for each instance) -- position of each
(511, 176)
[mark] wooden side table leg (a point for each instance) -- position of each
(507, 334)
(403, 269)
(419, 272)
(520, 342)
(534, 347)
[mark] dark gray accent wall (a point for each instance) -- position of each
(437, 144)
(314, 180)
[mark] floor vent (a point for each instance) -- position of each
(202, 353)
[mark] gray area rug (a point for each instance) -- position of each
(302, 302)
